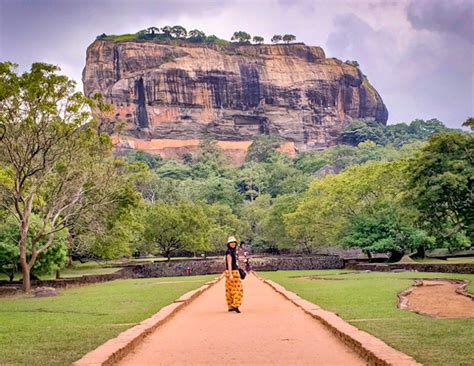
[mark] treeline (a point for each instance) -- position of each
(398, 189)
(179, 33)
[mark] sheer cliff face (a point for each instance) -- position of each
(184, 92)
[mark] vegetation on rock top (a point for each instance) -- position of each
(178, 33)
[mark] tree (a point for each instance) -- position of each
(223, 223)
(252, 180)
(51, 157)
(258, 39)
(262, 148)
(388, 228)
(196, 35)
(210, 159)
(273, 230)
(178, 31)
(153, 30)
(172, 228)
(47, 262)
(276, 38)
(252, 217)
(360, 131)
(352, 63)
(469, 123)
(441, 182)
(174, 169)
(288, 38)
(152, 161)
(241, 36)
(167, 31)
(330, 202)
(213, 190)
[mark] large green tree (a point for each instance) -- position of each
(53, 259)
(170, 228)
(387, 227)
(441, 183)
(51, 153)
(329, 204)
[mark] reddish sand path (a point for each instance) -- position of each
(439, 299)
(269, 331)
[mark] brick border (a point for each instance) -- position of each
(117, 348)
(373, 350)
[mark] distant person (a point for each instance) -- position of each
(247, 265)
(234, 292)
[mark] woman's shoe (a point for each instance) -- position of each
(231, 309)
(237, 310)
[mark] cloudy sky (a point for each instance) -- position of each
(419, 54)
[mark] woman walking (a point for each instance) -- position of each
(233, 285)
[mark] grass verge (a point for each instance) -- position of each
(59, 330)
(368, 301)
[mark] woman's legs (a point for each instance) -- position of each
(234, 291)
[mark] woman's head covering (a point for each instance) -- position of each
(231, 239)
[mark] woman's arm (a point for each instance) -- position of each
(229, 266)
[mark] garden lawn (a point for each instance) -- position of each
(368, 301)
(59, 330)
(77, 270)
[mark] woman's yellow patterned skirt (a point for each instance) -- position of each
(234, 293)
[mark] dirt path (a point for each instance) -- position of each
(269, 331)
(438, 298)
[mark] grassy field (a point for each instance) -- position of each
(78, 269)
(368, 301)
(59, 330)
(95, 268)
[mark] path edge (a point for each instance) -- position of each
(372, 349)
(115, 349)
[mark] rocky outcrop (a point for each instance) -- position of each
(235, 92)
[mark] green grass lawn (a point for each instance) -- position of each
(78, 269)
(59, 330)
(368, 301)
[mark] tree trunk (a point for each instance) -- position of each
(26, 282)
(395, 256)
(58, 275)
(420, 252)
(25, 268)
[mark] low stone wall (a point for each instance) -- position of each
(420, 267)
(213, 266)
(11, 287)
(179, 268)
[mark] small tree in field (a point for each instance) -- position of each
(276, 38)
(54, 165)
(258, 39)
(288, 38)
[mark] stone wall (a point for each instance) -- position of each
(420, 267)
(215, 266)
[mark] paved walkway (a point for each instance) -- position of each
(269, 331)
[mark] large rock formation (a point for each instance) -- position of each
(185, 91)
